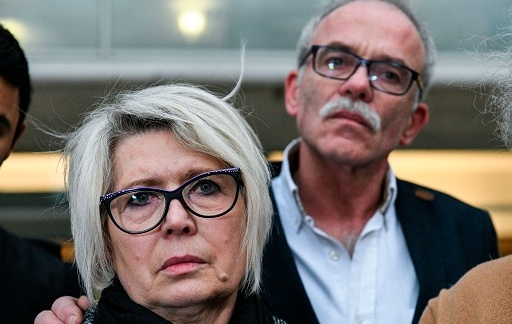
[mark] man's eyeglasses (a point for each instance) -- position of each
(140, 210)
(384, 75)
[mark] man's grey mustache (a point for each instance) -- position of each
(347, 104)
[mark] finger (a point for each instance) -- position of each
(47, 317)
(66, 309)
(83, 303)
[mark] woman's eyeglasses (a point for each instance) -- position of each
(140, 210)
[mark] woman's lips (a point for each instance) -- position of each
(182, 264)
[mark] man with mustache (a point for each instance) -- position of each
(351, 243)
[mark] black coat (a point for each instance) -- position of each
(115, 306)
(445, 238)
(31, 278)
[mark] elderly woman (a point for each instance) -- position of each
(170, 211)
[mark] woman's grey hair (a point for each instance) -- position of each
(201, 121)
(308, 32)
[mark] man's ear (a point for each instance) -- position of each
(290, 92)
(18, 133)
(419, 118)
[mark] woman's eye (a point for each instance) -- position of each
(206, 187)
(139, 198)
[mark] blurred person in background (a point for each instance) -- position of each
(31, 277)
(484, 294)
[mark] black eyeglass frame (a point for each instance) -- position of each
(415, 76)
(174, 194)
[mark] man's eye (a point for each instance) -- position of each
(5, 126)
(392, 76)
(4, 131)
(335, 62)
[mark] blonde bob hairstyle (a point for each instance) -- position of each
(202, 122)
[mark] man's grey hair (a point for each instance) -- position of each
(305, 39)
(201, 121)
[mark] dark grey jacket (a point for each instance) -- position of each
(445, 238)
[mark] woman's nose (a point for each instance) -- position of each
(178, 220)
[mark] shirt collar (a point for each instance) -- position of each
(290, 156)
(389, 192)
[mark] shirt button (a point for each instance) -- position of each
(334, 255)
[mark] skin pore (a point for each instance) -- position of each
(188, 265)
(340, 153)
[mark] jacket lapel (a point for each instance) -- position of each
(282, 286)
(420, 225)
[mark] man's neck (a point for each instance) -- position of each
(340, 198)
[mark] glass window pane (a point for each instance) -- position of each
(45, 27)
(211, 24)
(48, 26)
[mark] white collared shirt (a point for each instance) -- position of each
(377, 285)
